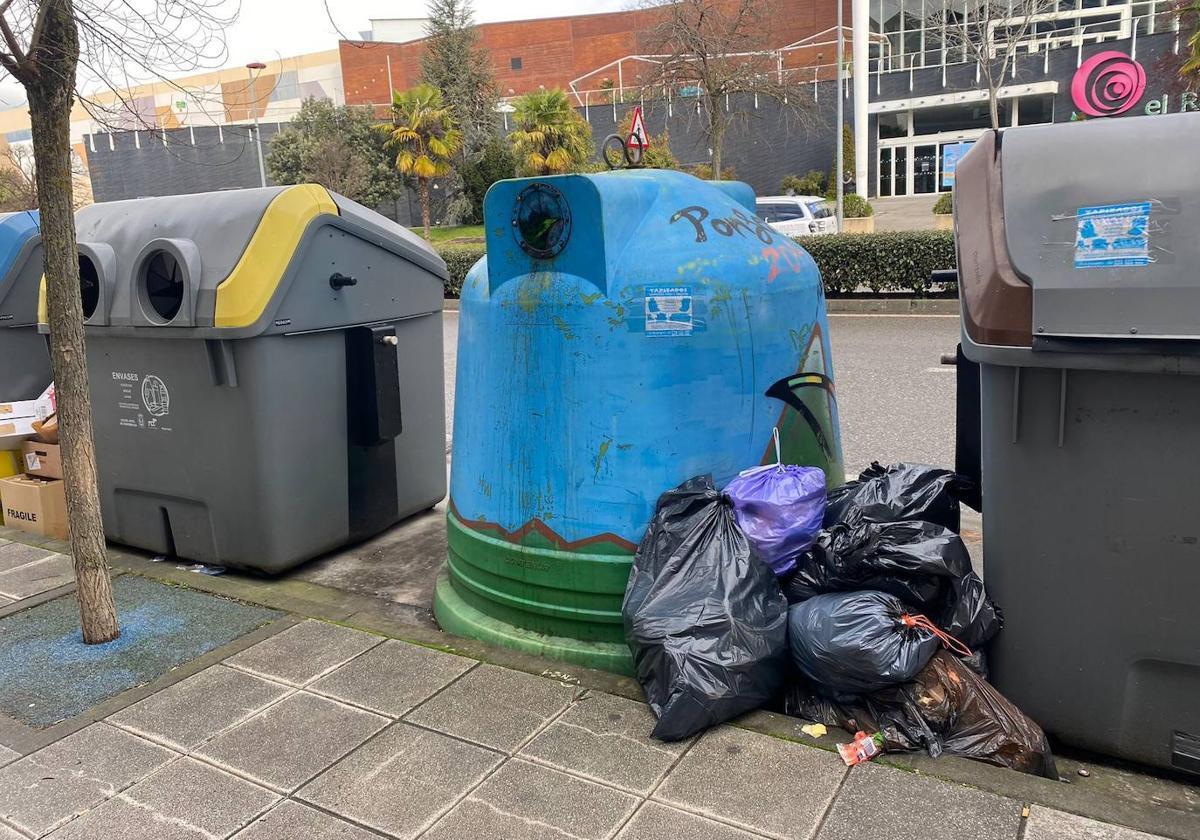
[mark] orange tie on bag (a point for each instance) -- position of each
(947, 640)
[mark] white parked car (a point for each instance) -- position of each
(797, 215)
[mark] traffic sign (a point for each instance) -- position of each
(637, 131)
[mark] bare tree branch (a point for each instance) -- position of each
(990, 33)
(716, 49)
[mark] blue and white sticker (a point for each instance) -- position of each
(1112, 235)
(669, 311)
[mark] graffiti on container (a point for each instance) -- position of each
(788, 252)
(808, 422)
(737, 222)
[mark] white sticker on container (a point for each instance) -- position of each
(1113, 235)
(144, 401)
(32, 462)
(669, 311)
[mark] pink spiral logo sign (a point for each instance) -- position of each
(1107, 84)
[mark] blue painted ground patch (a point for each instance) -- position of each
(48, 674)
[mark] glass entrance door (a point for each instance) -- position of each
(885, 171)
(925, 169)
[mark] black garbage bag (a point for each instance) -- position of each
(923, 564)
(898, 492)
(706, 621)
(850, 643)
(946, 708)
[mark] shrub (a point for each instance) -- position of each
(854, 206)
(879, 262)
(459, 259)
(898, 261)
(944, 205)
(811, 183)
(704, 172)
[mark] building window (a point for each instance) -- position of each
(893, 125)
(957, 117)
(514, 63)
(1036, 109)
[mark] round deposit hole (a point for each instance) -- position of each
(89, 286)
(162, 284)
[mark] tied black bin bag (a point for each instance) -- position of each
(706, 621)
(901, 491)
(923, 564)
(850, 643)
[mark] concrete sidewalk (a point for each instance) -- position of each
(314, 729)
(321, 731)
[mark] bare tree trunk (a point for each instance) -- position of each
(51, 89)
(716, 134)
(424, 190)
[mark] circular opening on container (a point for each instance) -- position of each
(89, 286)
(541, 221)
(162, 284)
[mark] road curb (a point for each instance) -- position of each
(855, 306)
(897, 306)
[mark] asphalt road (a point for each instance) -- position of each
(896, 401)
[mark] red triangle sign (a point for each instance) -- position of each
(637, 131)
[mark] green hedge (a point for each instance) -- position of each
(459, 259)
(879, 262)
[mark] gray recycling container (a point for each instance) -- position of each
(1080, 282)
(266, 373)
(24, 355)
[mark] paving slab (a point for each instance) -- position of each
(7, 833)
(606, 738)
(524, 801)
(30, 579)
(17, 554)
(393, 678)
(401, 781)
(7, 756)
(494, 707)
(757, 782)
(292, 741)
(291, 820)
(302, 653)
(185, 800)
(193, 710)
(55, 784)
(888, 804)
(1049, 824)
(655, 821)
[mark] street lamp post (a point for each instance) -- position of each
(838, 155)
(262, 170)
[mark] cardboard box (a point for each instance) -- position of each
(14, 432)
(38, 409)
(36, 505)
(41, 459)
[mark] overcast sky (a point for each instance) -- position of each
(267, 29)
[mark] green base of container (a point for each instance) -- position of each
(459, 618)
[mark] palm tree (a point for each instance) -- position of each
(425, 136)
(550, 137)
(1189, 72)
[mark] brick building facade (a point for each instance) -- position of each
(553, 52)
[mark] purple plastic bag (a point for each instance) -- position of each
(780, 508)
